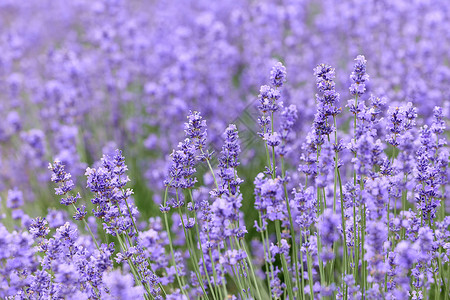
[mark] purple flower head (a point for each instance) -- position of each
(327, 101)
(369, 153)
(306, 203)
(324, 77)
(375, 239)
(119, 168)
(308, 157)
(230, 149)
(195, 130)
(15, 199)
(41, 282)
(278, 75)
(438, 125)
(376, 196)
(69, 199)
(325, 165)
(228, 161)
(406, 255)
(59, 175)
(182, 167)
(400, 120)
(81, 213)
(328, 227)
(227, 207)
(272, 139)
(321, 127)
(359, 76)
(425, 241)
(98, 180)
(350, 195)
(121, 286)
(39, 228)
(269, 99)
(410, 115)
(232, 257)
(269, 197)
(377, 106)
(288, 118)
(67, 233)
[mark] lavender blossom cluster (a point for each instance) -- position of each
(363, 217)
(83, 78)
(324, 183)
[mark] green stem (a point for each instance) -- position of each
(89, 229)
(287, 278)
(166, 222)
(310, 276)
(300, 284)
(213, 291)
(191, 250)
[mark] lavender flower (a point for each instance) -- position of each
(38, 228)
(288, 118)
(328, 225)
(228, 162)
(278, 75)
(60, 176)
(326, 102)
(359, 76)
(182, 168)
(15, 199)
(195, 130)
(269, 101)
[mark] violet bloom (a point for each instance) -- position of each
(325, 166)
(228, 162)
(369, 153)
(396, 124)
(196, 130)
(327, 101)
(269, 100)
(328, 227)
(438, 125)
(373, 244)
(60, 176)
(232, 258)
(269, 198)
(306, 204)
(376, 196)
(80, 213)
(182, 168)
(430, 175)
(15, 199)
(278, 75)
(359, 76)
(288, 118)
(121, 286)
(39, 228)
(112, 200)
(224, 218)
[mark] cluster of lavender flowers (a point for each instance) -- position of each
(364, 216)
(83, 78)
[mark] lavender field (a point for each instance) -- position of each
(270, 149)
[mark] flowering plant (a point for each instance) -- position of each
(316, 185)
